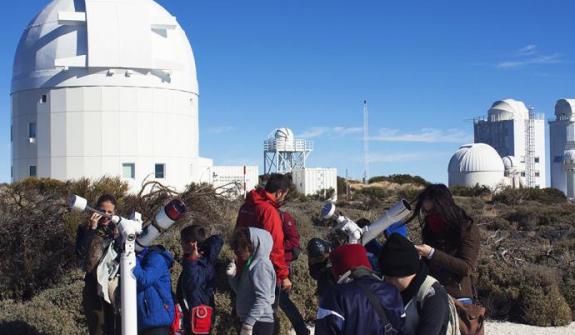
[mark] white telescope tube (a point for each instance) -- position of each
(399, 212)
(129, 229)
(165, 218)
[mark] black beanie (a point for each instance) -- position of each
(398, 258)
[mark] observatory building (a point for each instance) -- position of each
(476, 164)
(283, 153)
(559, 130)
(518, 134)
(106, 88)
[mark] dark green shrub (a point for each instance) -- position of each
(400, 179)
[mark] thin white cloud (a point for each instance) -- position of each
(220, 130)
(426, 135)
(529, 55)
(332, 132)
(527, 50)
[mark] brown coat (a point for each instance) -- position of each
(455, 259)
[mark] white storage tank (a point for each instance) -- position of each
(234, 181)
(310, 181)
(476, 164)
(106, 88)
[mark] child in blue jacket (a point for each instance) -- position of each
(155, 302)
(196, 285)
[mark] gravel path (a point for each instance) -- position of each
(508, 328)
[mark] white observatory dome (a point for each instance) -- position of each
(106, 88)
(564, 109)
(508, 109)
(92, 42)
(476, 163)
(284, 134)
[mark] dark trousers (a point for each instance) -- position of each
(100, 315)
(292, 312)
(156, 331)
(263, 328)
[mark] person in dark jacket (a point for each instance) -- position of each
(374, 246)
(155, 303)
(292, 250)
(92, 239)
(261, 210)
(360, 303)
(426, 301)
(197, 283)
(451, 240)
(318, 251)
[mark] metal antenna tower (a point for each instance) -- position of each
(530, 149)
(365, 143)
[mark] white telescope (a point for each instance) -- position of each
(397, 213)
(133, 238)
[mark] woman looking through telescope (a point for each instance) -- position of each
(92, 239)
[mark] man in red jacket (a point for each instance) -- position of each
(261, 210)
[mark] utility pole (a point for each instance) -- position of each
(365, 144)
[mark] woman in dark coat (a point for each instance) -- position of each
(450, 240)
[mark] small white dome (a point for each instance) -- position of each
(284, 134)
(476, 157)
(508, 109)
(564, 109)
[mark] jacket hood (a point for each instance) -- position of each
(259, 196)
(262, 242)
(161, 251)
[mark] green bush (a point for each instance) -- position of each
(400, 179)
(548, 196)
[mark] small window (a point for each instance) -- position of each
(32, 130)
(129, 170)
(160, 171)
(536, 159)
(537, 174)
(44, 99)
(522, 174)
(33, 171)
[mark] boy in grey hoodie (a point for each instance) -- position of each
(254, 280)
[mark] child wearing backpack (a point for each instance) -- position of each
(255, 282)
(196, 285)
(428, 308)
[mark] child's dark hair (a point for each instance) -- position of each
(278, 182)
(106, 198)
(241, 240)
(193, 233)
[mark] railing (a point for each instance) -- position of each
(288, 145)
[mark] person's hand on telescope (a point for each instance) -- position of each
(286, 285)
(424, 250)
(94, 220)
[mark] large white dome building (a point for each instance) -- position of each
(512, 130)
(106, 88)
(476, 164)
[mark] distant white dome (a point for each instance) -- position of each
(476, 163)
(79, 43)
(508, 109)
(284, 134)
(564, 109)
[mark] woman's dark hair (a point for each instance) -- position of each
(443, 205)
(193, 233)
(106, 198)
(241, 240)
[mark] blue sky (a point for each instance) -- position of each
(425, 67)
